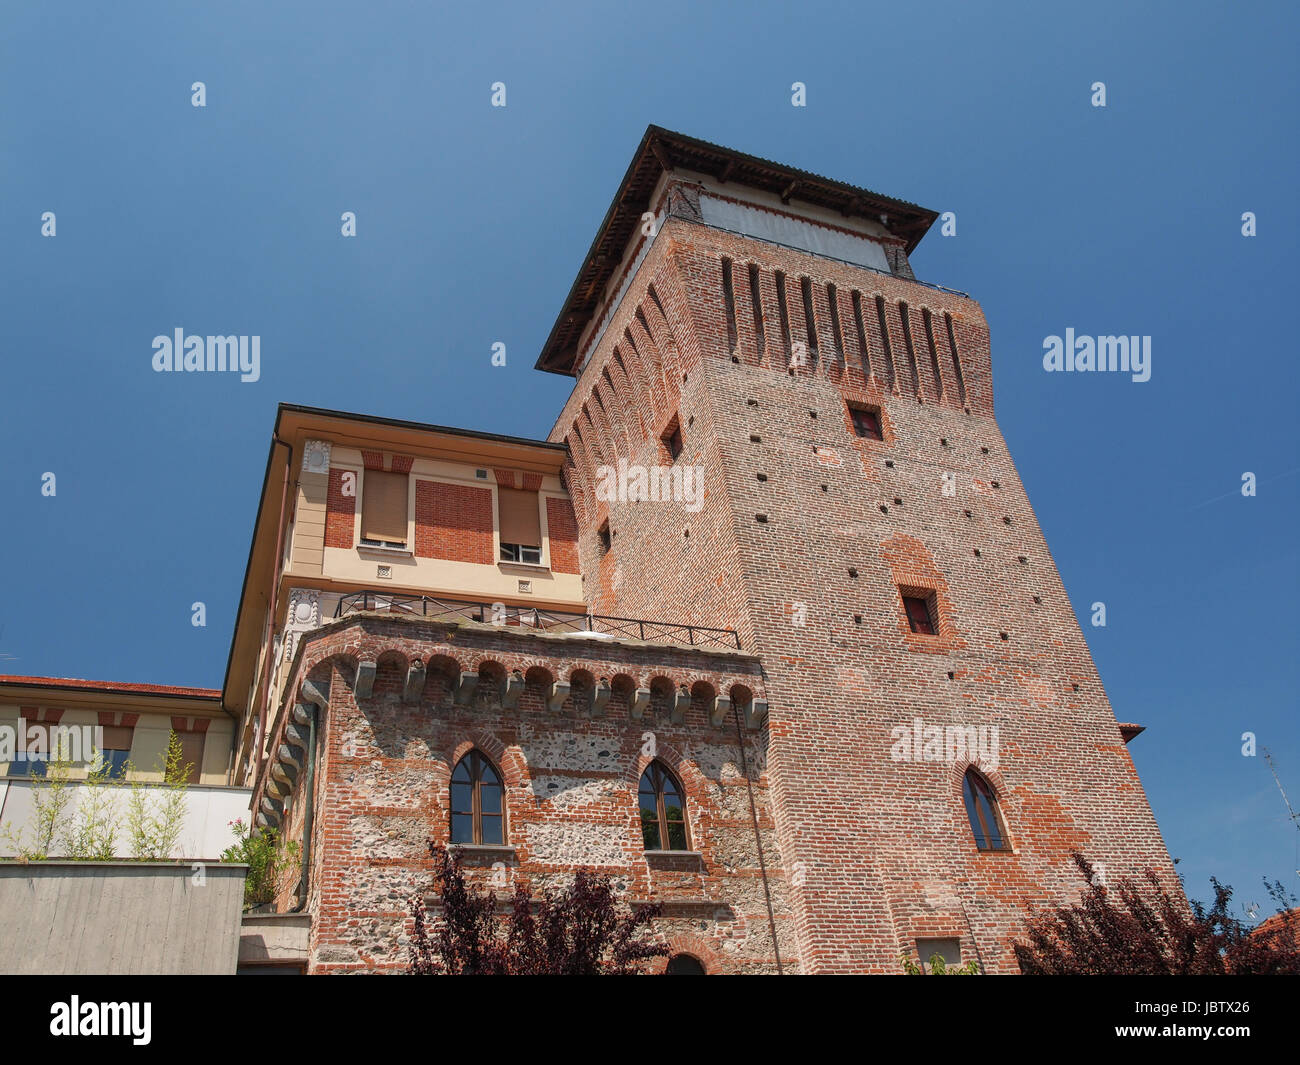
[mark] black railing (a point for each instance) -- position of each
(535, 618)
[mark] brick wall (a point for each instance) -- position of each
(807, 533)
(453, 521)
(570, 768)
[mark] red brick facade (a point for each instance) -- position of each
(340, 511)
(453, 521)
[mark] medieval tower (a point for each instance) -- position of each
(865, 532)
(766, 631)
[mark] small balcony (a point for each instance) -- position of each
(551, 622)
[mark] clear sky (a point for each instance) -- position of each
(472, 220)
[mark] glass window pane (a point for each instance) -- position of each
(462, 828)
(462, 798)
(650, 830)
(489, 797)
(676, 835)
(492, 830)
(647, 801)
(487, 774)
(461, 772)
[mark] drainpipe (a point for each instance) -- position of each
(271, 599)
(758, 839)
(313, 710)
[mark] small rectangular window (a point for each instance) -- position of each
(521, 553)
(383, 509)
(673, 441)
(116, 750)
(519, 518)
(866, 422)
(948, 949)
(919, 616)
(192, 754)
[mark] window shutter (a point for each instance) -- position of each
(521, 521)
(117, 738)
(192, 754)
(383, 506)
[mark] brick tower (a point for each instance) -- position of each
(864, 530)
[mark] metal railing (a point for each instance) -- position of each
(537, 619)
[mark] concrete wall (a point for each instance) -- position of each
(206, 833)
(111, 918)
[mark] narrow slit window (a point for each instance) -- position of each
(784, 313)
(809, 317)
(837, 331)
(956, 359)
(756, 301)
(729, 297)
(863, 348)
(885, 341)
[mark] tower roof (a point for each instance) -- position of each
(662, 150)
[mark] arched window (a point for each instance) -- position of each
(663, 810)
(684, 965)
(985, 817)
(477, 801)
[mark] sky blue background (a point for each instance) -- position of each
(472, 222)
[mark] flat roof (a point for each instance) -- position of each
(424, 427)
(662, 150)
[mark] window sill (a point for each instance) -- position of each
(675, 860)
(531, 567)
(384, 552)
(482, 853)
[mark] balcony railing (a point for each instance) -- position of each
(538, 620)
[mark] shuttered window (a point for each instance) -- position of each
(192, 754)
(521, 521)
(383, 507)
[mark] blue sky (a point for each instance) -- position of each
(472, 222)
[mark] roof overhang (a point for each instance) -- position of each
(73, 693)
(662, 151)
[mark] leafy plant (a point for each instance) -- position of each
(938, 967)
(155, 815)
(1142, 929)
(92, 836)
(49, 809)
(578, 932)
(272, 862)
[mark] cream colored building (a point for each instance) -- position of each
(361, 512)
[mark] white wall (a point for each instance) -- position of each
(206, 833)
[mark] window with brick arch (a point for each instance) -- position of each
(985, 816)
(663, 810)
(477, 802)
(684, 965)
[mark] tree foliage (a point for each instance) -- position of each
(1140, 928)
(577, 932)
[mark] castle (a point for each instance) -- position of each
(701, 690)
